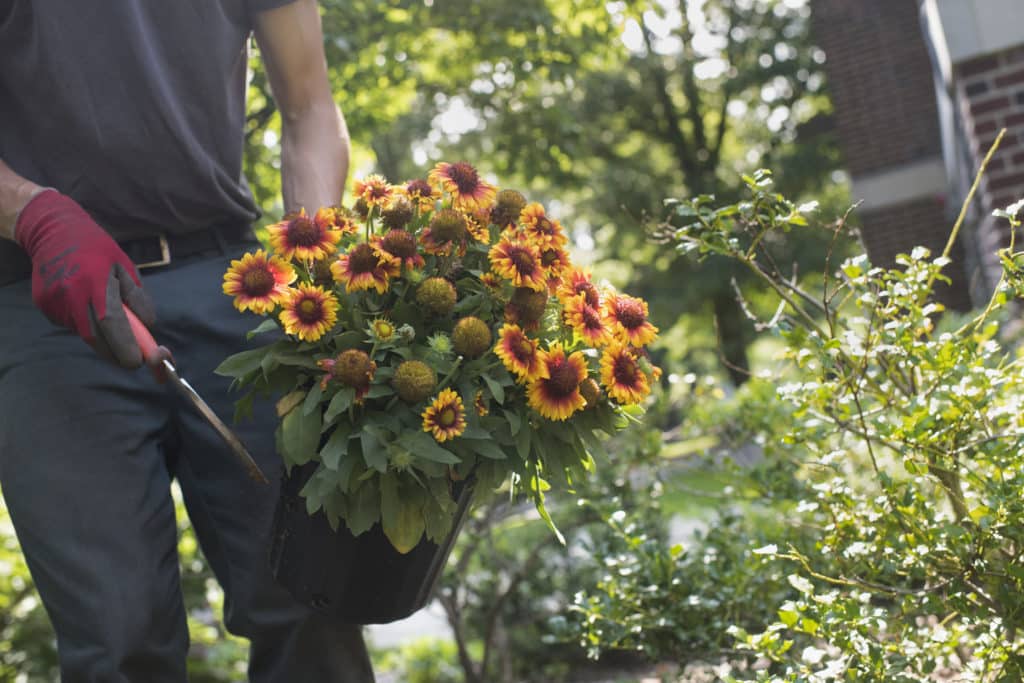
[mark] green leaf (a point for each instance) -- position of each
(523, 441)
(379, 390)
(300, 436)
(339, 404)
(267, 325)
(476, 433)
(312, 401)
(401, 516)
(788, 616)
(594, 445)
(488, 449)
(422, 445)
(538, 501)
(348, 340)
(241, 364)
(334, 508)
(514, 421)
(243, 408)
(297, 359)
(336, 447)
(289, 402)
(374, 451)
(496, 389)
(364, 508)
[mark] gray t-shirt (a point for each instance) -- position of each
(135, 108)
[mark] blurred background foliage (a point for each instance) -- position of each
(600, 110)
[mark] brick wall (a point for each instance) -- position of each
(882, 87)
(991, 92)
(922, 222)
(880, 78)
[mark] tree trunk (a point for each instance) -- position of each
(732, 332)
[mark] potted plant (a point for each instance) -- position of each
(432, 338)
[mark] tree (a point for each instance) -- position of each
(605, 107)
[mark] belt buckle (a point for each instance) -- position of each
(165, 255)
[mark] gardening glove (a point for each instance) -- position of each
(80, 277)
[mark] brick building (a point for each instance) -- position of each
(921, 88)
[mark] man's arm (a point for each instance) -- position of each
(15, 193)
(314, 141)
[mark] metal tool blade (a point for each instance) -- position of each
(237, 448)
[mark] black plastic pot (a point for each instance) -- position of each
(356, 579)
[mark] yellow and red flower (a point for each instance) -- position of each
(556, 393)
(491, 281)
(587, 321)
(469, 191)
(556, 264)
(445, 418)
(576, 282)
(336, 218)
(627, 316)
(374, 190)
(519, 262)
(257, 282)
(421, 194)
(477, 223)
(622, 375)
(309, 313)
(519, 353)
(365, 266)
(480, 403)
(401, 245)
(445, 233)
(545, 231)
(303, 237)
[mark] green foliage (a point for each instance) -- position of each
(676, 602)
(424, 660)
(608, 107)
(892, 452)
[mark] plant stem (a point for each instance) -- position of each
(966, 204)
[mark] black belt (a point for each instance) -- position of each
(154, 251)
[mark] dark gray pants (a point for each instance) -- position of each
(87, 454)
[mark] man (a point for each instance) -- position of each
(121, 131)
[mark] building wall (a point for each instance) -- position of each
(991, 92)
(882, 87)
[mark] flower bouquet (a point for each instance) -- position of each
(434, 333)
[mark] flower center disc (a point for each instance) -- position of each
(362, 259)
(591, 318)
(464, 176)
(563, 380)
(399, 243)
(522, 259)
(303, 232)
(447, 417)
(589, 293)
(308, 311)
(258, 282)
(625, 370)
(418, 188)
(523, 349)
(630, 313)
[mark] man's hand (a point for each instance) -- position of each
(80, 277)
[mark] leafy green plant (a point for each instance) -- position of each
(905, 433)
(435, 332)
(890, 437)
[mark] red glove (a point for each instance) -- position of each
(80, 276)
